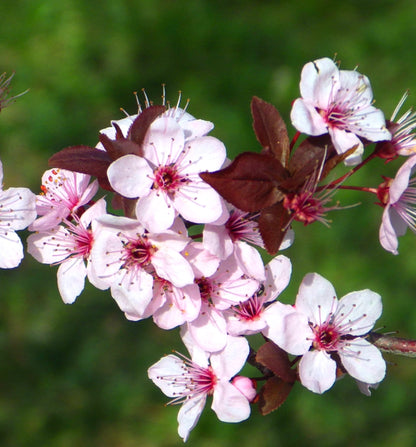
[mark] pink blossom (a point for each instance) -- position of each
(226, 287)
(398, 196)
(338, 102)
(166, 180)
(248, 317)
(127, 258)
(17, 211)
(69, 245)
(328, 326)
(63, 193)
(190, 381)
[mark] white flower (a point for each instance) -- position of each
(17, 211)
(166, 179)
(328, 326)
(338, 102)
(69, 245)
(127, 258)
(189, 382)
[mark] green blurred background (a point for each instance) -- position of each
(76, 375)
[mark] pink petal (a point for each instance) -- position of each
(130, 176)
(71, 279)
(229, 404)
(189, 415)
(316, 298)
(363, 361)
(306, 119)
(319, 79)
(228, 362)
(362, 309)
(317, 371)
(11, 249)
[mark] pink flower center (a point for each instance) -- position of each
(138, 253)
(168, 179)
(304, 206)
(205, 288)
(327, 337)
(251, 309)
(193, 382)
(242, 226)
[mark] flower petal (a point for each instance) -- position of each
(317, 371)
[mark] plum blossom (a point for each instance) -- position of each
(166, 179)
(227, 286)
(17, 211)
(127, 259)
(190, 381)
(69, 245)
(398, 196)
(173, 306)
(319, 327)
(338, 102)
(63, 193)
(248, 317)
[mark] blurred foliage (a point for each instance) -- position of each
(76, 375)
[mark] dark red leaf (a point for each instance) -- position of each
(250, 182)
(83, 159)
(273, 225)
(141, 124)
(270, 129)
(277, 360)
(119, 147)
(274, 392)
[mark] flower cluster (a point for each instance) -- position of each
(185, 239)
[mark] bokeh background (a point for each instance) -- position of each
(76, 375)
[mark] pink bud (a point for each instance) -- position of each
(246, 386)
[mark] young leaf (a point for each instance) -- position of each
(274, 392)
(270, 129)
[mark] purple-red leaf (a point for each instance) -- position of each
(274, 392)
(83, 159)
(138, 129)
(277, 360)
(251, 182)
(270, 129)
(273, 224)
(119, 147)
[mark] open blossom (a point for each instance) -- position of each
(127, 258)
(319, 325)
(338, 102)
(63, 192)
(226, 287)
(398, 196)
(69, 245)
(248, 317)
(190, 381)
(166, 179)
(17, 211)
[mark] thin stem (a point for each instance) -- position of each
(393, 345)
(333, 184)
(359, 188)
